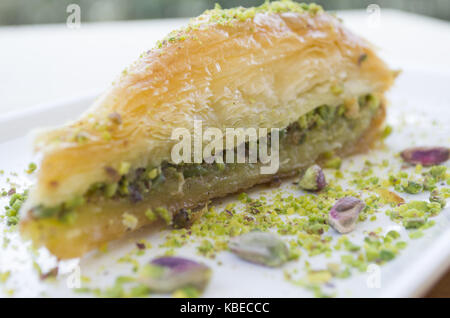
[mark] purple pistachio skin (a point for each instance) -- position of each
(344, 214)
(426, 156)
(178, 272)
(321, 182)
(177, 264)
(313, 179)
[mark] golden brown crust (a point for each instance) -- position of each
(256, 69)
(265, 71)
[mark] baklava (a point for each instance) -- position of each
(282, 65)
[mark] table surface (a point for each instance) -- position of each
(49, 63)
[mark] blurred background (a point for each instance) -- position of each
(44, 60)
(16, 12)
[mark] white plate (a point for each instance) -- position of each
(419, 113)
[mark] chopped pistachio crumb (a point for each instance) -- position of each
(31, 168)
(153, 173)
(413, 187)
(12, 209)
(186, 292)
(416, 234)
(124, 167)
(164, 214)
(333, 163)
(387, 131)
(4, 276)
(129, 220)
(319, 277)
(150, 215)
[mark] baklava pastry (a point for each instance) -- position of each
(282, 65)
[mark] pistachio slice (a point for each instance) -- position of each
(167, 274)
(261, 248)
(343, 215)
(426, 156)
(413, 187)
(313, 179)
(414, 223)
(437, 196)
(390, 197)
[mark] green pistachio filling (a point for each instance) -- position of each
(322, 127)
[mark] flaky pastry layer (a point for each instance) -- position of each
(262, 71)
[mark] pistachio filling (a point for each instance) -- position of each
(325, 125)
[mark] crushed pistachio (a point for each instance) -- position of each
(151, 215)
(387, 131)
(164, 214)
(414, 214)
(31, 168)
(389, 197)
(416, 234)
(124, 167)
(4, 276)
(336, 89)
(12, 209)
(414, 223)
(153, 173)
(319, 277)
(440, 196)
(186, 292)
(229, 17)
(333, 163)
(412, 187)
(129, 221)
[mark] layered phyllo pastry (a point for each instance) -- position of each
(282, 65)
